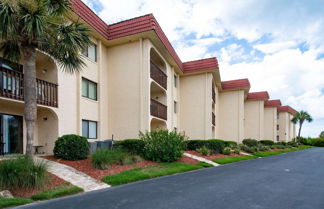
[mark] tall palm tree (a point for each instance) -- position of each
(27, 26)
(301, 117)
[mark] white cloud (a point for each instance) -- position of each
(275, 47)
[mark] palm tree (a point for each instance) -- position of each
(301, 117)
(27, 26)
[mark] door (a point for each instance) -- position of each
(11, 133)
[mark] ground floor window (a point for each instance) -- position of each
(11, 134)
(89, 129)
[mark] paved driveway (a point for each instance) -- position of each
(293, 180)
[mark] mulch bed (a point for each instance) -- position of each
(211, 157)
(53, 181)
(86, 167)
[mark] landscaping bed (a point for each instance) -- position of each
(212, 156)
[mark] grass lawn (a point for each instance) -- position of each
(266, 154)
(226, 160)
(59, 191)
(149, 172)
(10, 202)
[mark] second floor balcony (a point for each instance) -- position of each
(158, 109)
(213, 119)
(213, 95)
(158, 75)
(12, 87)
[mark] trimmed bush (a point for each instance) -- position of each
(250, 142)
(215, 145)
(162, 145)
(318, 142)
(71, 147)
(249, 149)
(263, 148)
(306, 141)
(292, 143)
(230, 144)
(236, 150)
(227, 151)
(133, 146)
(22, 172)
(104, 158)
(267, 142)
(204, 151)
(282, 143)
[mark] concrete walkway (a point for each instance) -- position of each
(201, 159)
(73, 176)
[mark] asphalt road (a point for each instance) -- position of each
(293, 180)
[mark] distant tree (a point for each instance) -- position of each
(300, 118)
(322, 134)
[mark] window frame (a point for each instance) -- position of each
(277, 127)
(175, 77)
(88, 89)
(175, 107)
(88, 128)
(86, 53)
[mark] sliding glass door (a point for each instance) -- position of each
(11, 134)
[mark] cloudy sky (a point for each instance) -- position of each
(277, 44)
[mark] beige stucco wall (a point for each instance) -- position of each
(270, 123)
(231, 116)
(254, 119)
(196, 106)
(283, 126)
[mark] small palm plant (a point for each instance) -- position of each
(301, 117)
(27, 26)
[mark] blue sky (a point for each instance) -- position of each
(277, 44)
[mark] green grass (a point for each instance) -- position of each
(266, 154)
(10, 202)
(59, 191)
(149, 172)
(226, 160)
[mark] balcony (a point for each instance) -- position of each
(158, 75)
(12, 87)
(213, 118)
(213, 95)
(158, 109)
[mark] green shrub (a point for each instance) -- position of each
(280, 146)
(248, 149)
(204, 151)
(318, 142)
(282, 143)
(162, 145)
(250, 142)
(227, 151)
(236, 150)
(103, 158)
(306, 141)
(230, 144)
(263, 148)
(292, 143)
(71, 147)
(267, 142)
(22, 172)
(133, 146)
(215, 145)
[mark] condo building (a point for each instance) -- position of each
(133, 81)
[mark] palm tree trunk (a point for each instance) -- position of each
(30, 112)
(299, 132)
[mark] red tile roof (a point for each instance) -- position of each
(287, 109)
(135, 26)
(272, 103)
(199, 65)
(262, 95)
(236, 84)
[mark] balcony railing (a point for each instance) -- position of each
(158, 75)
(213, 95)
(12, 87)
(213, 118)
(158, 109)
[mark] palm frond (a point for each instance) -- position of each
(11, 50)
(8, 19)
(58, 7)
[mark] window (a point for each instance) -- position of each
(89, 89)
(277, 138)
(175, 81)
(277, 127)
(277, 116)
(91, 52)
(89, 129)
(175, 107)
